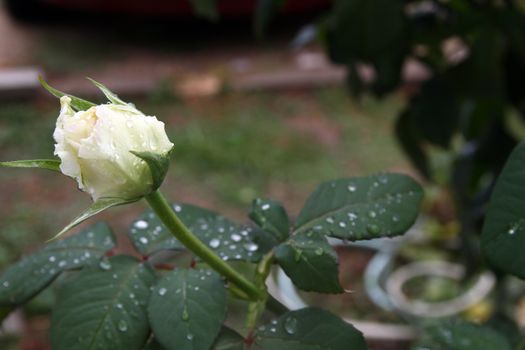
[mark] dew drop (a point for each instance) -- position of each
(143, 240)
(235, 237)
(189, 336)
(265, 207)
(352, 216)
(104, 264)
(122, 326)
(177, 208)
(372, 214)
(352, 188)
(319, 251)
(52, 258)
(185, 315)
(342, 224)
(395, 218)
(141, 224)
(290, 325)
(373, 229)
(162, 291)
(214, 243)
(297, 255)
(329, 220)
(6, 284)
(251, 247)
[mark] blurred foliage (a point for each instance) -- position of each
(469, 103)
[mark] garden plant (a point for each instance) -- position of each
(190, 266)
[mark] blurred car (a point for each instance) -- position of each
(27, 9)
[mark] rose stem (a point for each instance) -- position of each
(164, 211)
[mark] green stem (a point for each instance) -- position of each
(256, 308)
(164, 211)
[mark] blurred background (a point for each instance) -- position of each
(268, 99)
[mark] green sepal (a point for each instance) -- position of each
(110, 95)
(49, 164)
(77, 103)
(100, 205)
(158, 164)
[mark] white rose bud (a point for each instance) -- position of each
(97, 148)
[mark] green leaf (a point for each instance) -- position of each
(228, 339)
(110, 95)
(153, 344)
(100, 205)
(77, 103)
(310, 262)
(158, 165)
(410, 140)
(187, 308)
(309, 329)
(229, 240)
(271, 217)
(362, 208)
(6, 311)
(503, 234)
(102, 307)
(206, 9)
(264, 12)
(436, 111)
(23, 280)
(49, 164)
(366, 29)
(462, 336)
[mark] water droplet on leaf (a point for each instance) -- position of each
(215, 243)
(141, 224)
(104, 264)
(290, 325)
(122, 326)
(373, 229)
